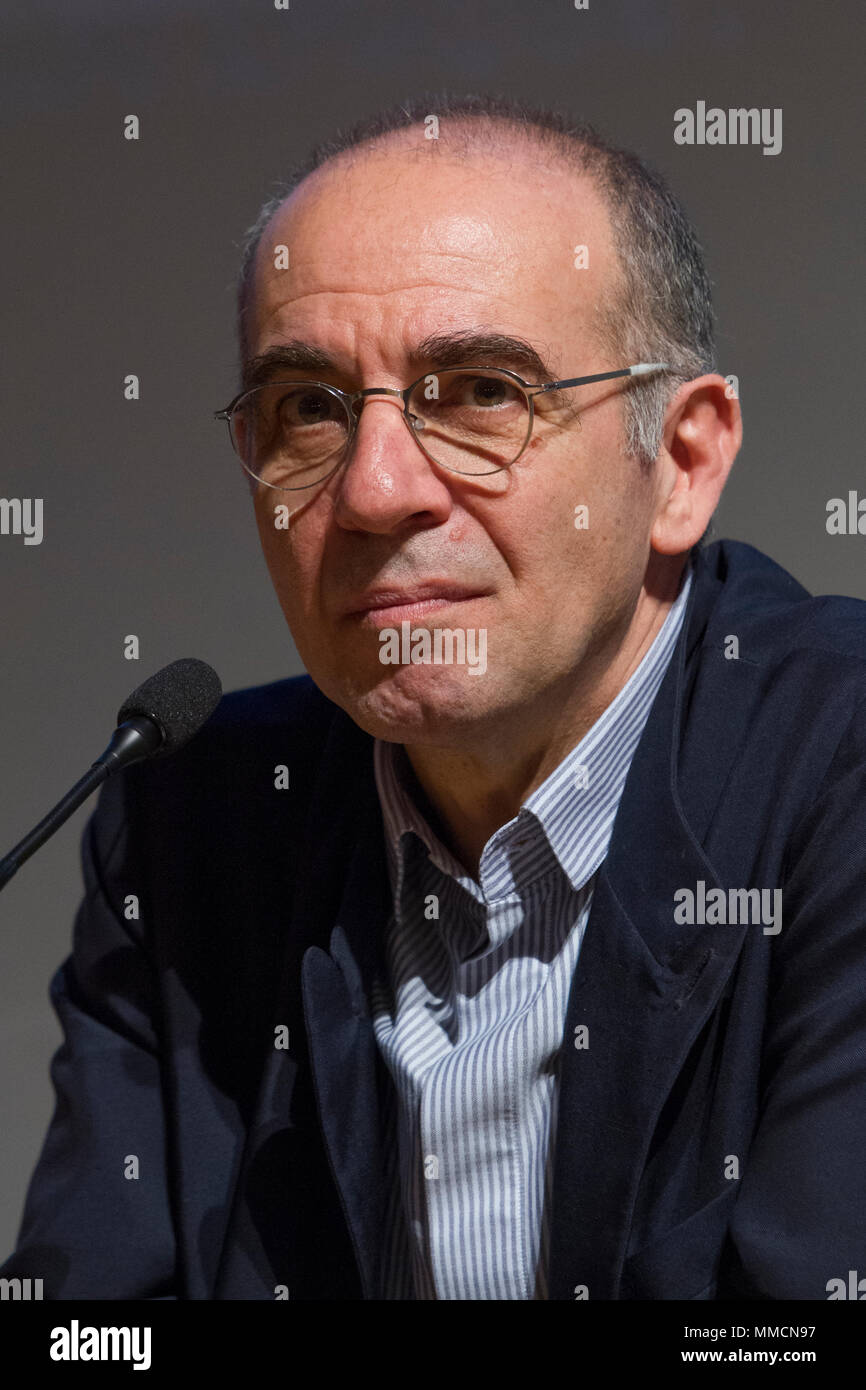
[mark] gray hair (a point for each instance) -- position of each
(662, 309)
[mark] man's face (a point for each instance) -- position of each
(383, 254)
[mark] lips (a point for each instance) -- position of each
(396, 604)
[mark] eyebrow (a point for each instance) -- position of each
(476, 347)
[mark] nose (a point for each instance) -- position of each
(386, 483)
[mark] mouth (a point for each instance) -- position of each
(383, 607)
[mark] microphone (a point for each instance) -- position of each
(156, 719)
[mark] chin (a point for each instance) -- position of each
(414, 704)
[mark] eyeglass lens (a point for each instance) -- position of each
(291, 434)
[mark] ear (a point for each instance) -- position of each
(702, 435)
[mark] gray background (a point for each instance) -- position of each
(120, 257)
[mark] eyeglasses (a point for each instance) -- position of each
(291, 435)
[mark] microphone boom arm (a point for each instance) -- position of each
(131, 741)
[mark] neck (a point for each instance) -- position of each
(468, 791)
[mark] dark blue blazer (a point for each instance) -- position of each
(712, 1136)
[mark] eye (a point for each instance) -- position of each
(488, 390)
(307, 406)
(469, 392)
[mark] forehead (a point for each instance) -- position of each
(419, 238)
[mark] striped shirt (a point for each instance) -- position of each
(469, 1020)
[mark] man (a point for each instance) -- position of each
(518, 953)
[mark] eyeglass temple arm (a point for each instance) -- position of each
(640, 369)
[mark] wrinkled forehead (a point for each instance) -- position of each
(401, 218)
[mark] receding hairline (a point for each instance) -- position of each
(469, 137)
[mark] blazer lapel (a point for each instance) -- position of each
(347, 1067)
(333, 950)
(644, 985)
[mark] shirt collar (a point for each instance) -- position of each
(568, 819)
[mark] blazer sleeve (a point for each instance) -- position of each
(97, 1221)
(800, 1218)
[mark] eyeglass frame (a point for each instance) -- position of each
(530, 390)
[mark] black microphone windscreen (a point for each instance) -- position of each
(180, 699)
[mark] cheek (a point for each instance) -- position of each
(277, 546)
(292, 547)
(274, 541)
